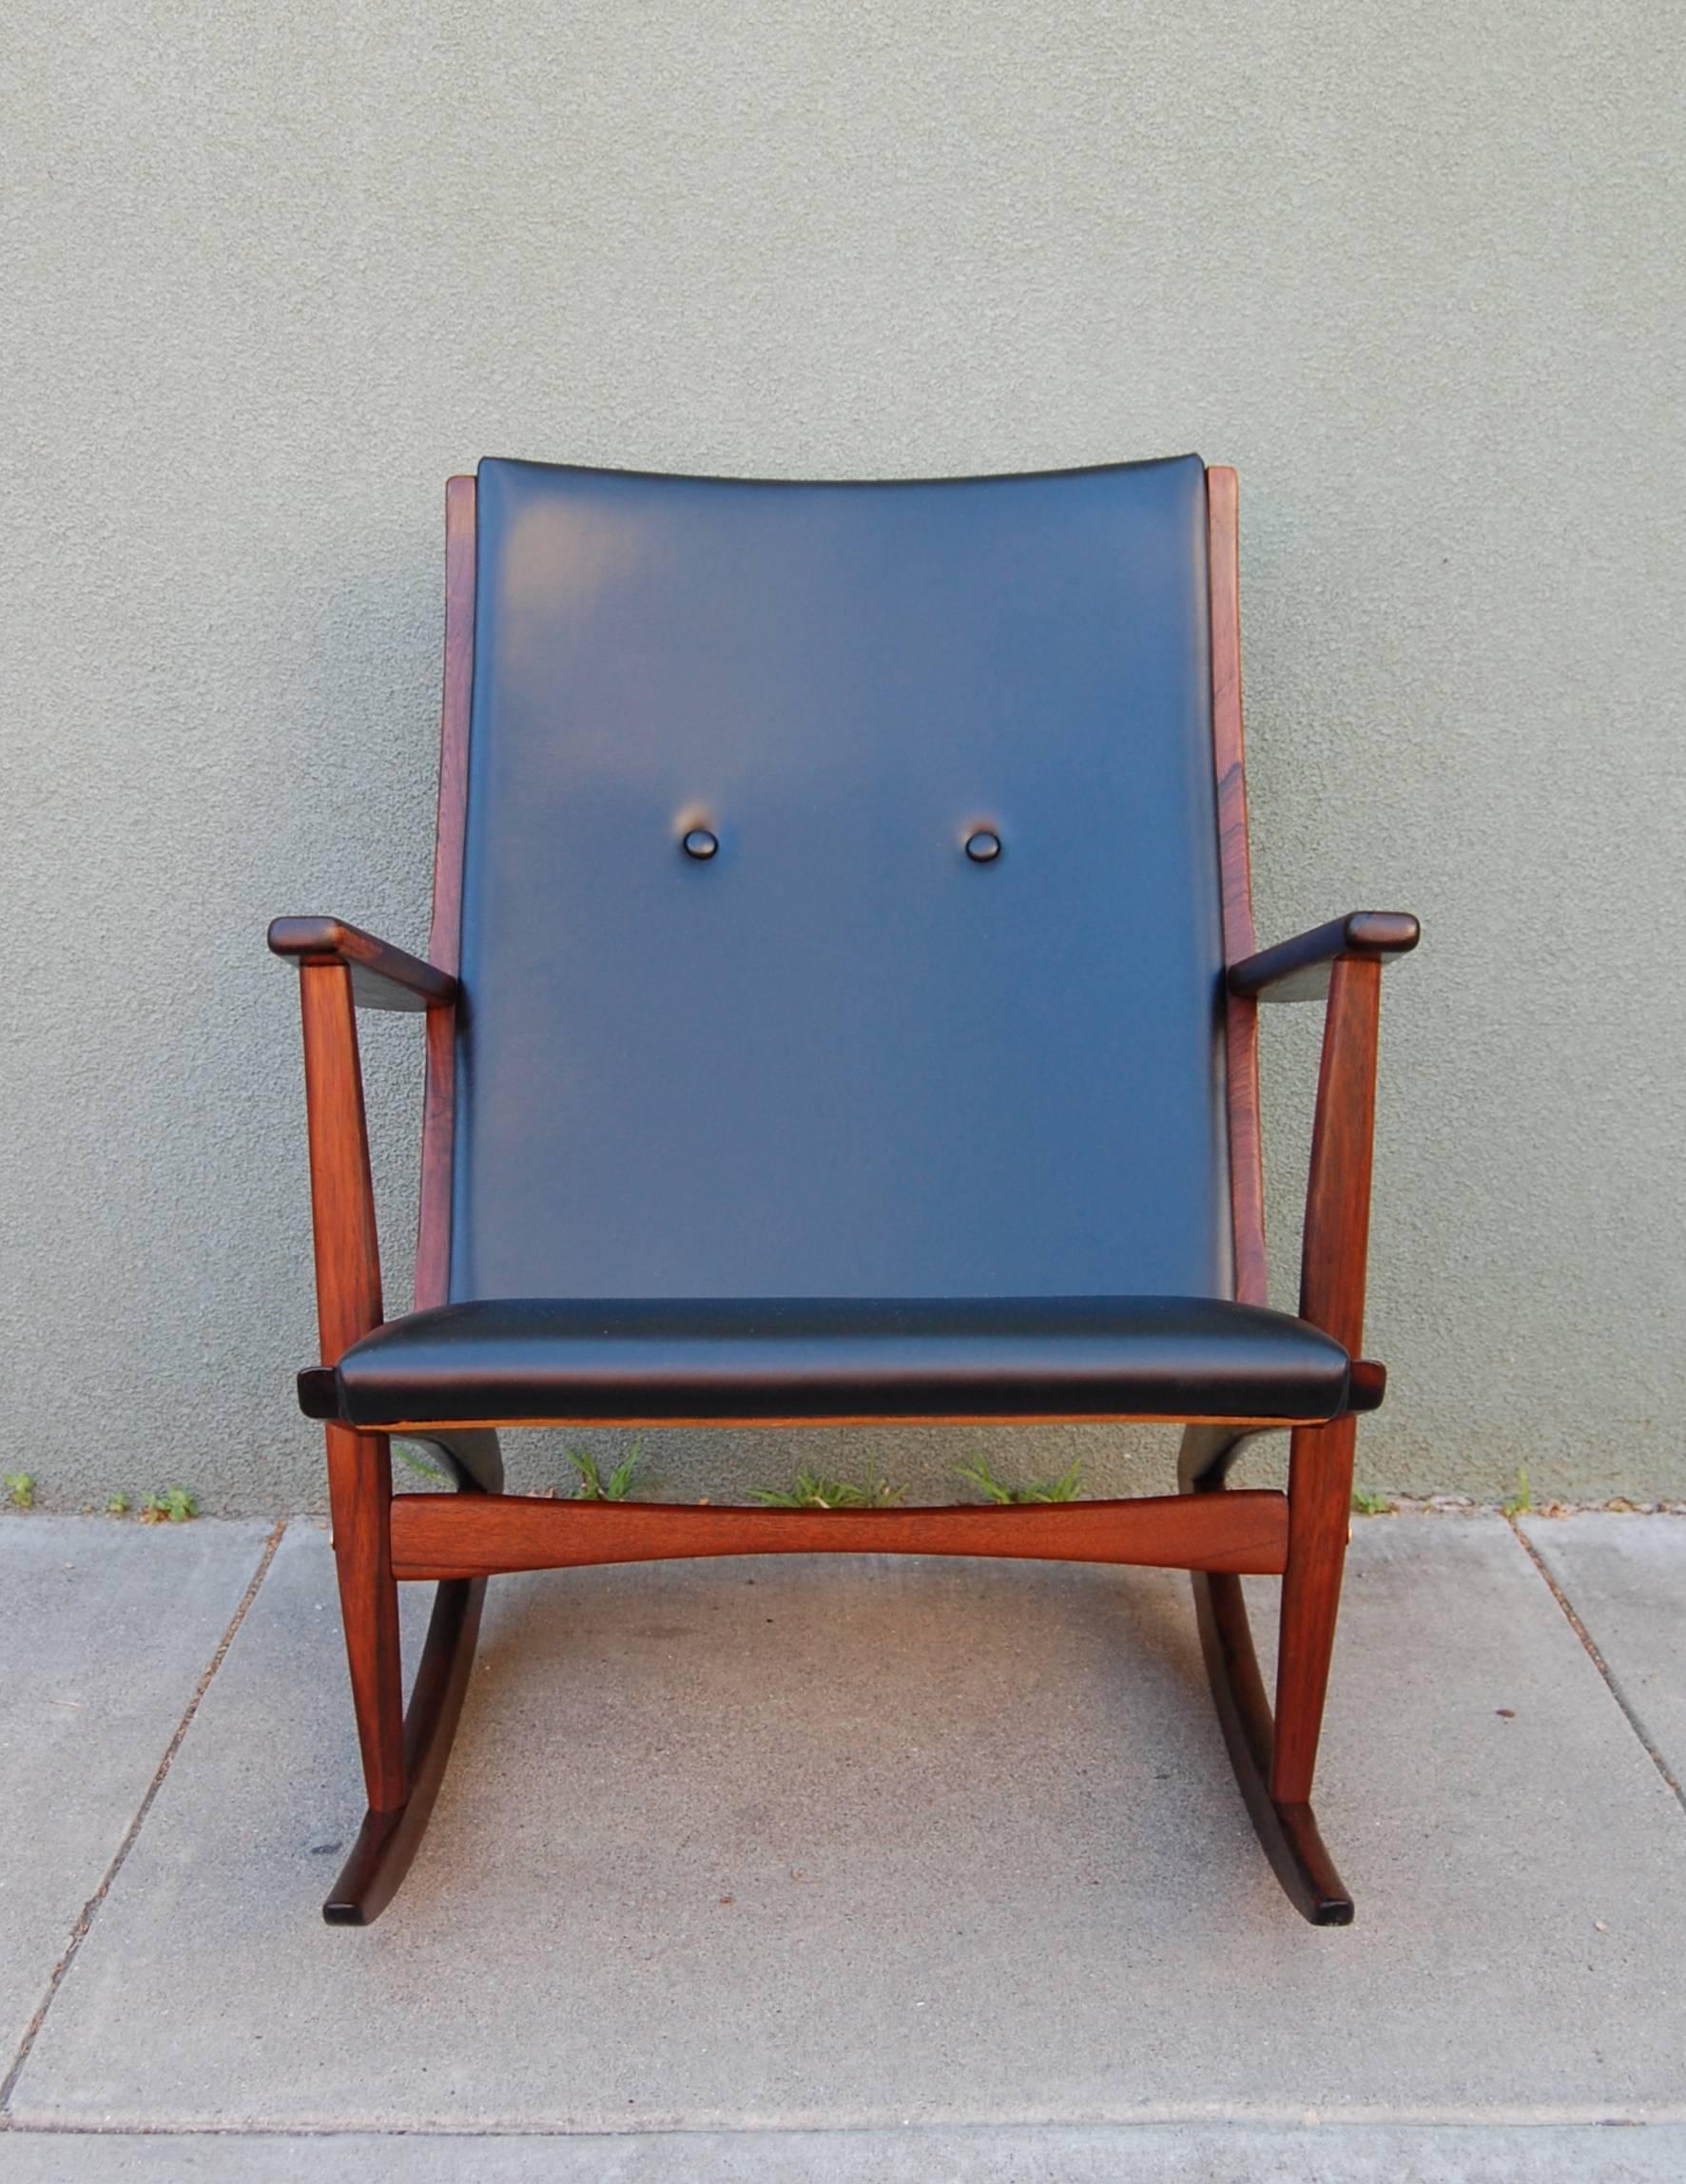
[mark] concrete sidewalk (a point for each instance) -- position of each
(867, 1869)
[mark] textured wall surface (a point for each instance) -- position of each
(274, 273)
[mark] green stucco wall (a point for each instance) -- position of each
(273, 273)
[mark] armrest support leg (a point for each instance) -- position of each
(348, 1304)
(341, 1189)
(1337, 1233)
(1332, 1296)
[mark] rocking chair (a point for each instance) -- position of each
(840, 1009)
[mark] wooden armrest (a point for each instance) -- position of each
(1298, 970)
(381, 976)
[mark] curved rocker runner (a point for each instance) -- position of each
(840, 1008)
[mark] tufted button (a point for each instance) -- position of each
(983, 847)
(699, 842)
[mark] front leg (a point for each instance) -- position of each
(359, 1497)
(1287, 1829)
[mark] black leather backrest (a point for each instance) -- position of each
(840, 1057)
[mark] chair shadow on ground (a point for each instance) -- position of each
(759, 1702)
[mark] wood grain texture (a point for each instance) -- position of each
(1241, 1033)
(445, 1535)
(342, 1191)
(439, 1118)
(359, 1499)
(389, 1838)
(444, 936)
(348, 1304)
(1337, 1232)
(1286, 1832)
(1320, 1521)
(382, 976)
(1299, 970)
(432, 1230)
(1332, 1296)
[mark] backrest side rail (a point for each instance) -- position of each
(1241, 1036)
(433, 1236)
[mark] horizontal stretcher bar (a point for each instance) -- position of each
(489, 1534)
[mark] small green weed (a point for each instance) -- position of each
(21, 1487)
(1067, 1487)
(594, 1486)
(812, 1490)
(1521, 1502)
(118, 1505)
(174, 1506)
(1367, 1504)
(409, 1456)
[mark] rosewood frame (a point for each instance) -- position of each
(1217, 1534)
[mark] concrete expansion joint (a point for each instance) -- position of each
(1598, 1662)
(90, 1909)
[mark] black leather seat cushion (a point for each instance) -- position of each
(1078, 1357)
